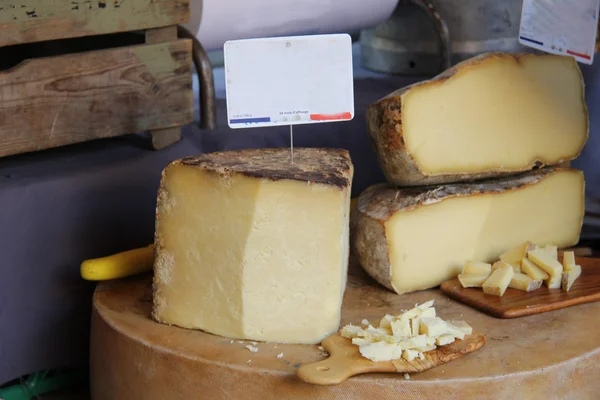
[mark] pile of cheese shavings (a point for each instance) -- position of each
(407, 335)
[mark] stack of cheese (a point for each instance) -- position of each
(524, 268)
(474, 160)
(251, 245)
(407, 335)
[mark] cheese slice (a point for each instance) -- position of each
(477, 268)
(444, 340)
(545, 260)
(472, 280)
(524, 282)
(462, 326)
(532, 270)
(410, 239)
(516, 254)
(251, 246)
(493, 114)
(568, 260)
(433, 327)
(499, 280)
(516, 267)
(570, 276)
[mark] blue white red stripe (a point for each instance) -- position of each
(531, 40)
(249, 120)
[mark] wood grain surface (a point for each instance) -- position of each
(26, 21)
(345, 360)
(517, 303)
(162, 138)
(54, 101)
(546, 356)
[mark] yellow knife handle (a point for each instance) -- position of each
(118, 265)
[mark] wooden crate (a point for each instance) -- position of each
(25, 21)
(60, 92)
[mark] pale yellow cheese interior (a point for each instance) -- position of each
(431, 243)
(252, 259)
(501, 114)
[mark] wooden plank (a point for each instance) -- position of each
(516, 303)
(161, 35)
(50, 102)
(162, 138)
(40, 20)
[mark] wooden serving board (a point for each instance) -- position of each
(516, 303)
(545, 356)
(345, 360)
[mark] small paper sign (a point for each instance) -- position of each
(566, 27)
(289, 80)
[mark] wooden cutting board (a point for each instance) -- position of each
(516, 303)
(345, 360)
(546, 356)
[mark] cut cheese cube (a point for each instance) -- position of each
(498, 281)
(410, 355)
(516, 254)
(433, 327)
(444, 340)
(373, 334)
(381, 351)
(360, 341)
(477, 268)
(386, 323)
(532, 270)
(416, 342)
(251, 246)
(570, 276)
(498, 264)
(401, 328)
(455, 331)
(468, 280)
(415, 325)
(554, 282)
(524, 282)
(493, 114)
(350, 331)
(428, 313)
(546, 261)
(396, 227)
(553, 250)
(568, 260)
(462, 326)
(425, 306)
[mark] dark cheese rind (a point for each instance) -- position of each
(382, 201)
(318, 165)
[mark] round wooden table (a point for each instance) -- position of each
(555, 355)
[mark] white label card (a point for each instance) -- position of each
(566, 27)
(289, 80)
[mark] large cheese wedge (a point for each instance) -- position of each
(416, 238)
(490, 115)
(252, 246)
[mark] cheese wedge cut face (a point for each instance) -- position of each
(410, 239)
(490, 115)
(249, 247)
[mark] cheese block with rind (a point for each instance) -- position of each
(492, 115)
(252, 246)
(415, 238)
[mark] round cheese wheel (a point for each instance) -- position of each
(549, 355)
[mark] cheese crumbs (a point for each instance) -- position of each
(408, 335)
